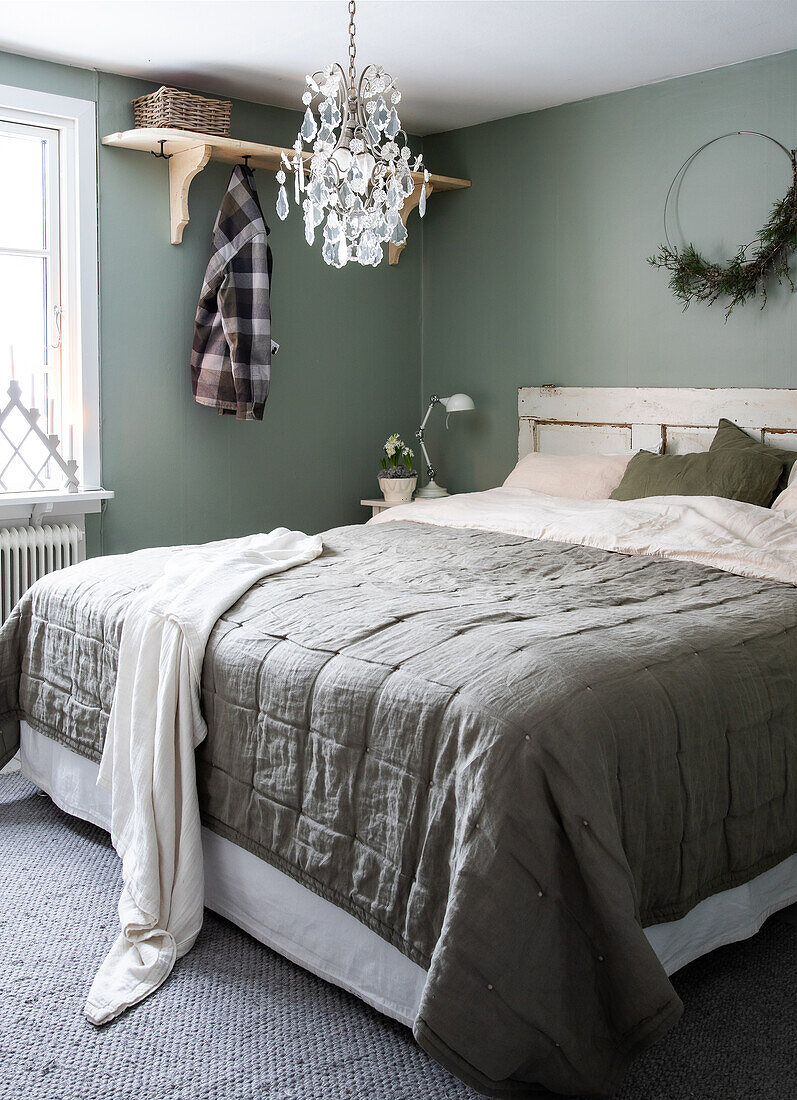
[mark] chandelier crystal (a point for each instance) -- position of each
(359, 173)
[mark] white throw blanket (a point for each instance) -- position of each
(148, 759)
(739, 538)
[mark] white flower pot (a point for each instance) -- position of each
(398, 490)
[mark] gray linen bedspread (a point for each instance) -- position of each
(505, 756)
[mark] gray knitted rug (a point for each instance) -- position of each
(235, 1021)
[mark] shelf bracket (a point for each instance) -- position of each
(395, 250)
(183, 166)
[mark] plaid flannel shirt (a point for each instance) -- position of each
(231, 356)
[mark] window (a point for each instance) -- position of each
(48, 285)
(31, 309)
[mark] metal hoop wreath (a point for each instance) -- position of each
(732, 133)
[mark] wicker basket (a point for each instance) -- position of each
(171, 108)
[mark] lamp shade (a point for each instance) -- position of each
(457, 402)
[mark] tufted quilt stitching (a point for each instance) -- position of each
(537, 717)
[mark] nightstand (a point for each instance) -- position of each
(377, 505)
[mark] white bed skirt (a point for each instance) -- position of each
(327, 941)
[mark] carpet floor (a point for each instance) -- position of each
(236, 1021)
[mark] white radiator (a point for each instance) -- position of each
(27, 553)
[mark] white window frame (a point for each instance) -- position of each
(75, 121)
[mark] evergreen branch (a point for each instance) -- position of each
(694, 278)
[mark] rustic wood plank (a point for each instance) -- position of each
(749, 408)
(590, 439)
(588, 420)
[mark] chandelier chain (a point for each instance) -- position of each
(352, 47)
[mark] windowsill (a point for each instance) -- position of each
(44, 505)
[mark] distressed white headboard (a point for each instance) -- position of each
(587, 420)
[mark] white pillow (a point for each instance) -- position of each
(787, 500)
(580, 477)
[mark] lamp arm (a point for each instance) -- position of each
(433, 400)
(430, 470)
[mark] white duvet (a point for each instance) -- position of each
(738, 538)
(148, 758)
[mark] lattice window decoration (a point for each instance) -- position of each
(30, 457)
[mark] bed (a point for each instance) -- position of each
(497, 784)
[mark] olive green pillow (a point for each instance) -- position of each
(730, 438)
(737, 475)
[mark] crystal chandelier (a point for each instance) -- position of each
(359, 173)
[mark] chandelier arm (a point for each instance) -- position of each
(337, 65)
(362, 119)
(345, 115)
(344, 106)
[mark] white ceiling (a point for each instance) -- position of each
(458, 62)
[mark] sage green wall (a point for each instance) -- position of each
(538, 273)
(347, 374)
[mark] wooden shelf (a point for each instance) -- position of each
(189, 153)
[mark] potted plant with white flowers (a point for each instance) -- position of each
(397, 479)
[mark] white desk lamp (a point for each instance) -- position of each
(457, 402)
